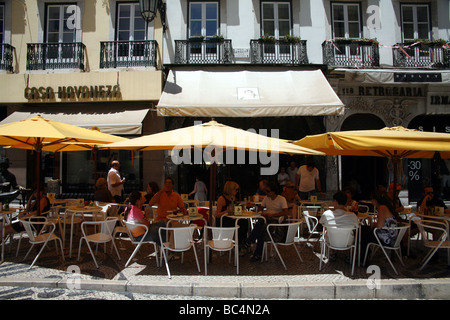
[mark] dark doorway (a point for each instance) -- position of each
(363, 173)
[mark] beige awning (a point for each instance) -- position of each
(233, 92)
(112, 119)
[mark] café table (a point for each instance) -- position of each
(3, 214)
(184, 218)
(245, 215)
(76, 215)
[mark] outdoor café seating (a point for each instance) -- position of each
(182, 240)
(40, 232)
(287, 240)
(221, 239)
(340, 238)
(103, 236)
(396, 247)
(429, 226)
(138, 243)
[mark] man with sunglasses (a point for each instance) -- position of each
(428, 200)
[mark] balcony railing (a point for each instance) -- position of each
(122, 54)
(351, 54)
(278, 52)
(203, 51)
(6, 57)
(421, 55)
(43, 56)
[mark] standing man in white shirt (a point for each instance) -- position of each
(115, 183)
(307, 179)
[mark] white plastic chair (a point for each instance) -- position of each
(72, 218)
(311, 223)
(442, 242)
(120, 229)
(46, 234)
(103, 236)
(222, 239)
(182, 241)
(292, 229)
(339, 237)
(130, 226)
(400, 230)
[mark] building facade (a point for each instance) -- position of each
(88, 63)
(387, 60)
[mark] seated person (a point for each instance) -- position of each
(350, 205)
(225, 206)
(276, 207)
(152, 189)
(102, 193)
(30, 211)
(339, 216)
(168, 201)
(134, 214)
(429, 201)
(292, 198)
(392, 194)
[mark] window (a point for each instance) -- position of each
(203, 19)
(131, 28)
(130, 24)
(415, 21)
(276, 19)
(60, 33)
(346, 20)
(59, 29)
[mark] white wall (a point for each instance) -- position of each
(311, 21)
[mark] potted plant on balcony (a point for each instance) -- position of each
(291, 39)
(196, 39)
(342, 41)
(366, 41)
(216, 38)
(439, 43)
(267, 39)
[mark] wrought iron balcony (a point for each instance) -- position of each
(421, 55)
(123, 54)
(44, 56)
(6, 57)
(203, 51)
(278, 52)
(351, 53)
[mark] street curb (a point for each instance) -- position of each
(357, 289)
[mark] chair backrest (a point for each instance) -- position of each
(108, 225)
(182, 236)
(30, 226)
(112, 210)
(311, 222)
(98, 215)
(363, 208)
(401, 230)
(339, 236)
(130, 225)
(426, 226)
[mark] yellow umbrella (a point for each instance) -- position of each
(213, 136)
(395, 143)
(40, 134)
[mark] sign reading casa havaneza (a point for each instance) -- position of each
(73, 92)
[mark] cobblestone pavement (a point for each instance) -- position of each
(17, 282)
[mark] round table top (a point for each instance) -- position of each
(184, 217)
(84, 209)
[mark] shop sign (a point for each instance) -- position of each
(417, 77)
(72, 92)
(440, 100)
(382, 91)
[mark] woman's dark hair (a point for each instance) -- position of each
(132, 198)
(383, 199)
(154, 186)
